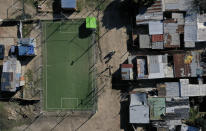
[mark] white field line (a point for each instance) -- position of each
(46, 77)
(46, 66)
(65, 98)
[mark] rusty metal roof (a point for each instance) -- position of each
(180, 68)
(157, 38)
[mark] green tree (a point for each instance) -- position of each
(200, 5)
(143, 2)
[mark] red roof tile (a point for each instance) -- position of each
(157, 38)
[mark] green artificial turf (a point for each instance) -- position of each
(68, 83)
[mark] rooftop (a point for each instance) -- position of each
(157, 38)
(187, 65)
(127, 71)
(176, 5)
(11, 74)
(155, 27)
(169, 89)
(177, 108)
(154, 12)
(188, 89)
(144, 41)
(157, 107)
(138, 110)
(68, 4)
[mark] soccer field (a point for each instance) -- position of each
(68, 56)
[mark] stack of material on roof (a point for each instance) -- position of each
(11, 74)
(188, 89)
(127, 71)
(187, 65)
(138, 109)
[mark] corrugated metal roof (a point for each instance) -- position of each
(180, 68)
(157, 38)
(153, 12)
(157, 107)
(157, 45)
(177, 5)
(139, 114)
(127, 71)
(190, 33)
(138, 99)
(68, 4)
(190, 30)
(185, 68)
(177, 108)
(172, 89)
(141, 68)
(138, 110)
(155, 27)
(192, 89)
(171, 35)
(154, 64)
(144, 41)
(10, 74)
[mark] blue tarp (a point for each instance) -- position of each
(26, 50)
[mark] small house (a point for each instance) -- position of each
(11, 75)
(26, 47)
(68, 4)
(138, 109)
(127, 71)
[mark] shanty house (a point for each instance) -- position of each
(169, 89)
(188, 89)
(157, 107)
(26, 47)
(127, 71)
(11, 74)
(187, 64)
(138, 109)
(177, 108)
(69, 4)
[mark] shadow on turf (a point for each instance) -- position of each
(83, 31)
